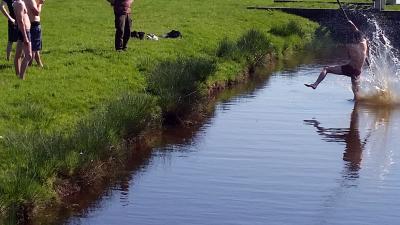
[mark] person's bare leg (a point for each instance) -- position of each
(8, 51)
(320, 78)
(33, 56)
(331, 69)
(18, 56)
(355, 87)
(38, 59)
(25, 61)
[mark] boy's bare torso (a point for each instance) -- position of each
(21, 13)
(357, 54)
(30, 5)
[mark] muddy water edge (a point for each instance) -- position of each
(82, 192)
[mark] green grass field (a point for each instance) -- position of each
(81, 68)
(65, 108)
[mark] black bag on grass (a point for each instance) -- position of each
(173, 34)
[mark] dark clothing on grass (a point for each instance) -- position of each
(36, 36)
(123, 23)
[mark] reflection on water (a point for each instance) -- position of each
(377, 118)
(350, 136)
(373, 146)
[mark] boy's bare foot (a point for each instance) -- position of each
(311, 86)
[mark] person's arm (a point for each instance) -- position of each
(40, 4)
(33, 6)
(367, 58)
(5, 12)
(39, 7)
(352, 25)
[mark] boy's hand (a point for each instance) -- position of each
(27, 42)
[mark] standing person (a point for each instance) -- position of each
(12, 25)
(123, 23)
(23, 54)
(34, 9)
(357, 50)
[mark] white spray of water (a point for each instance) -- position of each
(381, 81)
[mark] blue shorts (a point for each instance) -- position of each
(36, 36)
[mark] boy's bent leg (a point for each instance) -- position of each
(330, 69)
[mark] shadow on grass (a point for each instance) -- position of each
(93, 51)
(5, 66)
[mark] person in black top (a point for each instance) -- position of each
(12, 25)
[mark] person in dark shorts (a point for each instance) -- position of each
(34, 9)
(36, 41)
(357, 50)
(12, 26)
(123, 23)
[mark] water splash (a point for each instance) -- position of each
(381, 81)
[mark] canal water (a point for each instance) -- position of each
(278, 153)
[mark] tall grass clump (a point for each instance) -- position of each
(178, 82)
(124, 117)
(228, 49)
(251, 47)
(291, 28)
(39, 158)
(132, 113)
(254, 46)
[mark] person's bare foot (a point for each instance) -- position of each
(313, 86)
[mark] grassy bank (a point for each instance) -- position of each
(73, 112)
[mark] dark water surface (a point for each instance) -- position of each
(279, 154)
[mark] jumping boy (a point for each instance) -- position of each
(357, 50)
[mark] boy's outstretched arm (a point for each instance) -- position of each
(352, 25)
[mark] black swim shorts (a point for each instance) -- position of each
(12, 32)
(21, 37)
(36, 36)
(348, 70)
